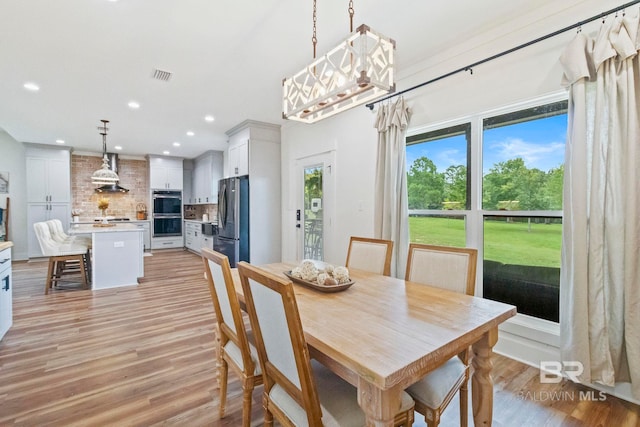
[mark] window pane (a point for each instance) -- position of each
(437, 169)
(522, 263)
(437, 230)
(313, 213)
(523, 159)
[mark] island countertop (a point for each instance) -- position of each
(96, 228)
(5, 245)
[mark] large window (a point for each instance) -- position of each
(509, 206)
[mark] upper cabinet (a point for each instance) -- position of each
(49, 175)
(254, 148)
(207, 171)
(239, 158)
(165, 173)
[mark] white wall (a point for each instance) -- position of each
(12, 160)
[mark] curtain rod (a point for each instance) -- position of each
(506, 52)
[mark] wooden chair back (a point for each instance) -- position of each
(443, 267)
(373, 255)
(226, 304)
(282, 349)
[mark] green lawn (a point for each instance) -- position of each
(506, 242)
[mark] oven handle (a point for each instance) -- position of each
(167, 216)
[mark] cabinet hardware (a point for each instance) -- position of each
(4, 260)
(5, 287)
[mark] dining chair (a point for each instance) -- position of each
(64, 258)
(373, 255)
(453, 269)
(235, 348)
(297, 390)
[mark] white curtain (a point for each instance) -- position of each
(600, 281)
(391, 206)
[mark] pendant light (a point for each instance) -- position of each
(104, 175)
(358, 70)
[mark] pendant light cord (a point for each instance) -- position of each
(351, 13)
(314, 39)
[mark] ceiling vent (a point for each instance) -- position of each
(161, 75)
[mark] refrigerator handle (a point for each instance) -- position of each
(222, 206)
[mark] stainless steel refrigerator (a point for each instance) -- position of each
(233, 219)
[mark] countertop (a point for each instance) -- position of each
(78, 228)
(198, 221)
(132, 221)
(5, 245)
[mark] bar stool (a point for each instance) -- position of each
(64, 258)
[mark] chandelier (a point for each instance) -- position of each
(358, 70)
(104, 175)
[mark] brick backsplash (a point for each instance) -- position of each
(133, 176)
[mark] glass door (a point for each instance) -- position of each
(315, 205)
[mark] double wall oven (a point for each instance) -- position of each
(167, 213)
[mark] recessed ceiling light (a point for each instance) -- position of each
(209, 118)
(165, 152)
(117, 147)
(31, 86)
(190, 133)
(176, 144)
(133, 105)
(60, 141)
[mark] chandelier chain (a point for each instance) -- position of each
(351, 13)
(314, 39)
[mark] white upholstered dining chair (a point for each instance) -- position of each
(235, 350)
(297, 391)
(373, 255)
(453, 269)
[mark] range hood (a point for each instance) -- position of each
(112, 188)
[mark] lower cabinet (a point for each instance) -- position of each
(6, 298)
(207, 242)
(193, 236)
(146, 233)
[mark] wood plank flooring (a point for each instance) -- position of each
(145, 355)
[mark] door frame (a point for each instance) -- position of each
(327, 159)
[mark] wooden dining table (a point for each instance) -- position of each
(384, 334)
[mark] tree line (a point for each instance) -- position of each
(508, 185)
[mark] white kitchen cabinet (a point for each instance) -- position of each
(254, 150)
(239, 158)
(48, 189)
(146, 233)
(165, 173)
(193, 236)
(207, 171)
(6, 290)
(187, 184)
(207, 242)
(49, 179)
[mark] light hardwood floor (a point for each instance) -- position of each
(145, 355)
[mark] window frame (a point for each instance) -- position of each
(547, 331)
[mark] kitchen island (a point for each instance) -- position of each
(116, 255)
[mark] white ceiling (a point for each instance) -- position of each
(228, 59)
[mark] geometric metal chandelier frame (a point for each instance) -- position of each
(358, 70)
